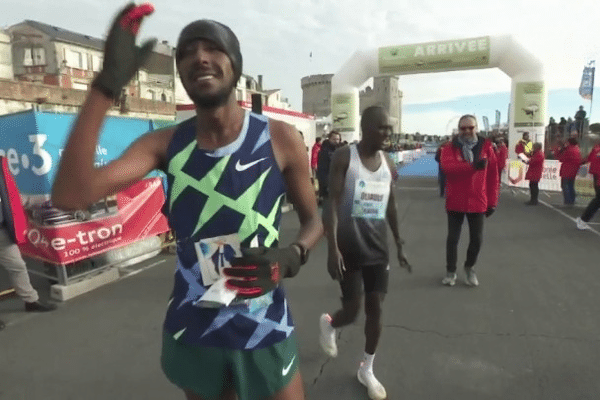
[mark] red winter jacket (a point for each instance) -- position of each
(570, 159)
(13, 213)
(501, 156)
(314, 157)
(536, 166)
(594, 160)
(467, 189)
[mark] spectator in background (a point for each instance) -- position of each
(12, 224)
(524, 147)
(580, 120)
(470, 165)
(441, 175)
(594, 205)
(562, 126)
(324, 161)
(570, 159)
(534, 173)
(501, 155)
(314, 156)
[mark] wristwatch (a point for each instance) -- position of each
(303, 252)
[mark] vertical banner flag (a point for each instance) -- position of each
(498, 119)
(486, 123)
(586, 89)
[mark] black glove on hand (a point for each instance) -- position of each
(480, 164)
(260, 270)
(489, 211)
(122, 58)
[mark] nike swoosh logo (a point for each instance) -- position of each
(242, 167)
(285, 371)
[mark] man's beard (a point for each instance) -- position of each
(211, 100)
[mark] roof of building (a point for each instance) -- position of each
(64, 35)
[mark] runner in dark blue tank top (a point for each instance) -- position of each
(228, 331)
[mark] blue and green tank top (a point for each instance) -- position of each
(237, 189)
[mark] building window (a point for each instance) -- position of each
(96, 63)
(163, 97)
(151, 95)
(77, 59)
(28, 57)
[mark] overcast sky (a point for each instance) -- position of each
(278, 36)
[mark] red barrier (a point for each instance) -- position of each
(134, 215)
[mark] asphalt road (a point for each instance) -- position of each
(529, 331)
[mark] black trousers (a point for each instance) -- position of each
(591, 208)
(534, 191)
(455, 221)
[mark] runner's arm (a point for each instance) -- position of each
(391, 211)
(337, 177)
(78, 183)
(293, 161)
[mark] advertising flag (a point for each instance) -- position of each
(486, 123)
(586, 89)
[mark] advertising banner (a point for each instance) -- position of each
(343, 107)
(584, 182)
(586, 88)
(61, 237)
(529, 102)
(435, 56)
(33, 142)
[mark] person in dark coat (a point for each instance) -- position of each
(328, 147)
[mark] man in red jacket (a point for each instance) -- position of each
(501, 155)
(534, 173)
(570, 159)
(471, 169)
(594, 205)
(314, 156)
(12, 226)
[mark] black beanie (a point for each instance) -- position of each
(217, 33)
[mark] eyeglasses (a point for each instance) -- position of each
(466, 128)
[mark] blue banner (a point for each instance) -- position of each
(33, 142)
(586, 89)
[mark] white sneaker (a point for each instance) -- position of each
(449, 279)
(375, 389)
(327, 337)
(581, 224)
(471, 278)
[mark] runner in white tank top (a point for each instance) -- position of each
(361, 202)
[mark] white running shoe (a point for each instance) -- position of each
(327, 337)
(449, 279)
(375, 389)
(581, 224)
(471, 278)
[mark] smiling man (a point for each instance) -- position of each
(228, 171)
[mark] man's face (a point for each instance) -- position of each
(526, 137)
(378, 130)
(206, 73)
(335, 139)
(467, 127)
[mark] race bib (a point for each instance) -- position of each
(215, 254)
(370, 199)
